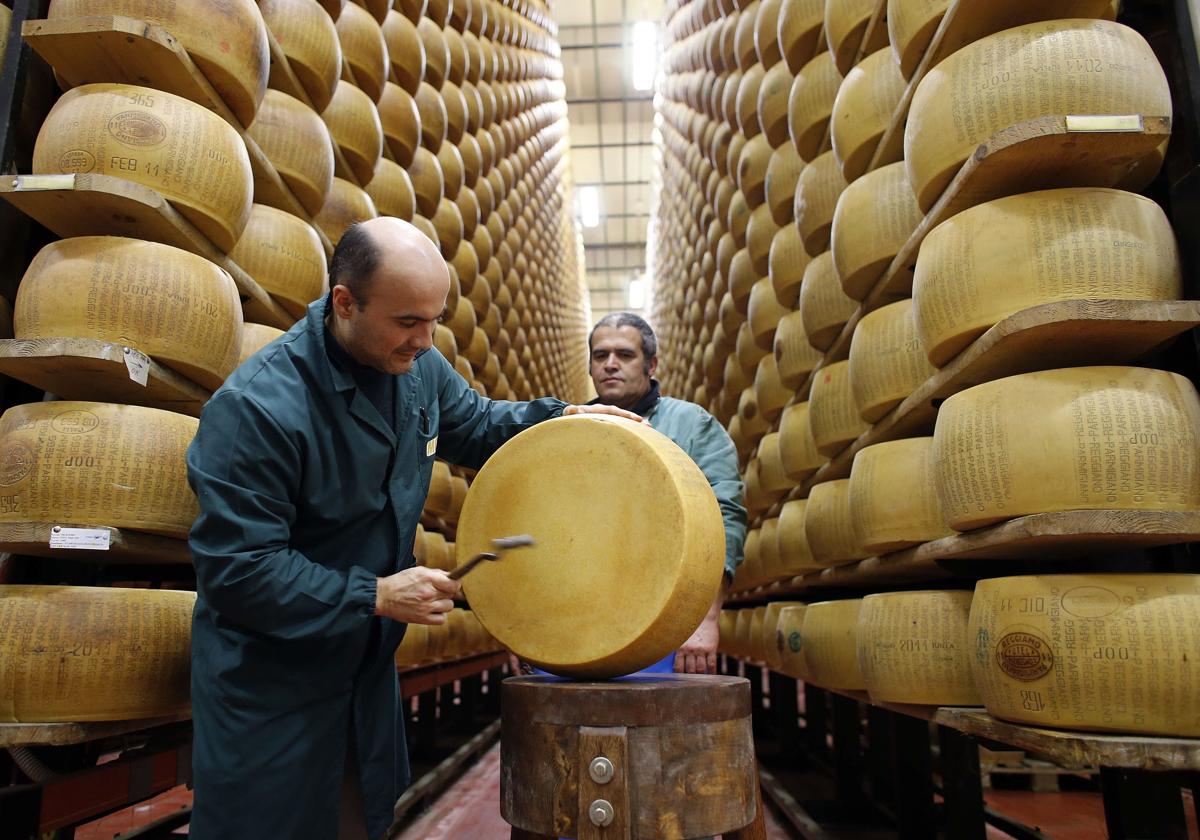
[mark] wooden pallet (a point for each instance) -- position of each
(125, 546)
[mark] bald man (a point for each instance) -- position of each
(311, 466)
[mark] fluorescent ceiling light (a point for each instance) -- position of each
(644, 54)
(589, 206)
(637, 293)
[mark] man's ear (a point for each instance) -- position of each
(343, 301)
(653, 365)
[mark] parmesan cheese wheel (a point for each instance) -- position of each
(779, 189)
(760, 234)
(414, 646)
(255, 337)
(432, 109)
(354, 126)
(1119, 438)
(746, 101)
(893, 497)
(875, 216)
(995, 259)
(309, 39)
(440, 495)
(829, 525)
(97, 464)
(771, 654)
(294, 138)
(81, 653)
(428, 182)
(406, 52)
(391, 191)
(769, 392)
(773, 95)
(824, 307)
(770, 471)
(184, 151)
(345, 206)
(913, 648)
(764, 313)
(363, 49)
(833, 414)
(800, 23)
(170, 304)
(863, 109)
(887, 362)
(786, 264)
(845, 24)
(542, 603)
(911, 25)
(752, 170)
(227, 41)
(284, 255)
(1106, 652)
(770, 565)
(795, 556)
(830, 633)
(789, 640)
(1077, 67)
(817, 192)
(437, 53)
(795, 357)
(810, 104)
(401, 122)
(796, 446)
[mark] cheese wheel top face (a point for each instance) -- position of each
(1101, 652)
(284, 255)
(817, 192)
(174, 306)
(192, 157)
(309, 39)
(887, 362)
(345, 206)
(913, 648)
(863, 109)
(830, 633)
(1089, 438)
(401, 122)
(810, 104)
(97, 464)
(100, 653)
(569, 603)
(1073, 66)
(294, 138)
(911, 24)
(893, 496)
(226, 40)
(996, 259)
(824, 307)
(875, 216)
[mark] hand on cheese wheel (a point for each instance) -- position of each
(630, 546)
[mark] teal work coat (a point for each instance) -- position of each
(306, 497)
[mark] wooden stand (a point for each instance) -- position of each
(664, 757)
(125, 546)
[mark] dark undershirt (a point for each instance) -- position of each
(379, 387)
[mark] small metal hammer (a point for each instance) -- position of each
(501, 545)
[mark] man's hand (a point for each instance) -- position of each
(698, 655)
(416, 596)
(601, 409)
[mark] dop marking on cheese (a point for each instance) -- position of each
(1024, 656)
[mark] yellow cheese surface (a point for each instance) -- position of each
(829, 635)
(863, 110)
(874, 218)
(794, 355)
(810, 104)
(893, 497)
(799, 31)
(824, 306)
(833, 413)
(789, 641)
(829, 525)
(796, 446)
(817, 192)
(294, 138)
(887, 361)
(911, 24)
(285, 256)
(354, 125)
(309, 39)
(255, 337)
(795, 556)
(345, 205)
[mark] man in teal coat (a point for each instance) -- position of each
(624, 357)
(311, 466)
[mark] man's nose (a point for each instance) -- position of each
(610, 362)
(425, 338)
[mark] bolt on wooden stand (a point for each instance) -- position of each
(662, 756)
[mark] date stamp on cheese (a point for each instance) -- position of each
(1024, 656)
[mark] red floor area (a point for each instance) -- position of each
(137, 816)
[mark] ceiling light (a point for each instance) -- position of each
(589, 206)
(644, 54)
(637, 293)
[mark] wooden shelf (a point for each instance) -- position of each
(86, 369)
(126, 546)
(1048, 538)
(421, 678)
(64, 734)
(114, 48)
(103, 205)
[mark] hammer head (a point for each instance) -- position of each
(505, 543)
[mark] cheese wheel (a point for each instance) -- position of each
(428, 182)
(913, 648)
(800, 23)
(795, 357)
(996, 259)
(824, 307)
(294, 138)
(795, 556)
(1104, 652)
(752, 169)
(786, 264)
(829, 525)
(363, 49)
(769, 392)
(401, 122)
(772, 478)
(830, 633)
(81, 653)
(893, 497)
(440, 495)
(309, 39)
(875, 217)
(769, 547)
(677, 553)
(771, 654)
(766, 28)
(810, 105)
(391, 191)
(789, 639)
(779, 188)
(406, 52)
(1108, 438)
(255, 337)
(911, 25)
(764, 313)
(97, 464)
(863, 109)
(796, 446)
(184, 151)
(414, 646)
(773, 95)
(284, 255)
(451, 164)
(746, 101)
(345, 206)
(760, 235)
(753, 423)
(887, 362)
(833, 415)
(432, 109)
(437, 53)
(1077, 67)
(172, 305)
(817, 192)
(354, 126)
(845, 24)
(227, 41)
